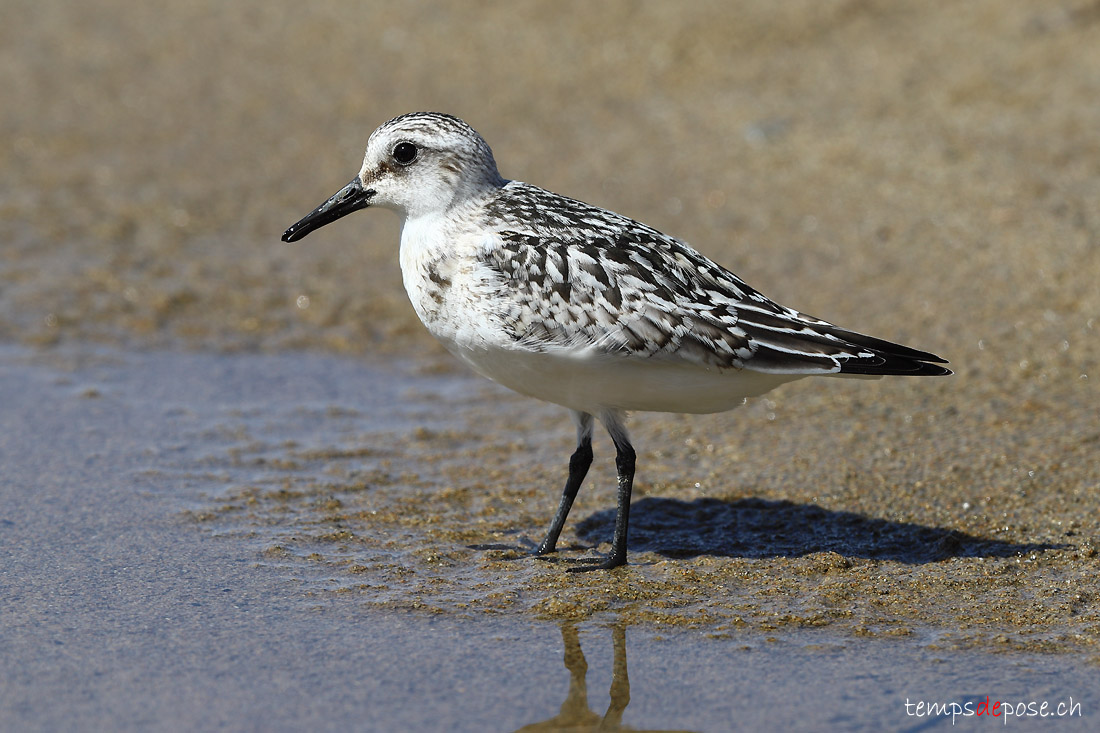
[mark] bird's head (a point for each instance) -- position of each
(417, 164)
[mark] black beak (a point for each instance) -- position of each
(351, 197)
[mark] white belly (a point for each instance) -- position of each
(595, 382)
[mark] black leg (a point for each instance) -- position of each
(579, 463)
(624, 463)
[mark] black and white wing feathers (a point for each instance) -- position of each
(573, 275)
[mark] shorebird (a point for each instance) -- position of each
(580, 306)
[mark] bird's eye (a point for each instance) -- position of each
(405, 153)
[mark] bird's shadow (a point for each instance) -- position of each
(757, 528)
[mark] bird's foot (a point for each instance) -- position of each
(598, 563)
(581, 564)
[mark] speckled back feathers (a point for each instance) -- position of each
(574, 274)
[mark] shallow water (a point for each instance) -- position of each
(127, 606)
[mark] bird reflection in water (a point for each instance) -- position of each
(575, 715)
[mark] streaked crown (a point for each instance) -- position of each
(428, 162)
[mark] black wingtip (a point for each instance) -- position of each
(887, 357)
(887, 365)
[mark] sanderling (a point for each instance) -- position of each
(580, 306)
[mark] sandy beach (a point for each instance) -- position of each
(927, 174)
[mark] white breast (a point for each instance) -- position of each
(450, 290)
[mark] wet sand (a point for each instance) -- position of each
(443, 517)
(928, 176)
